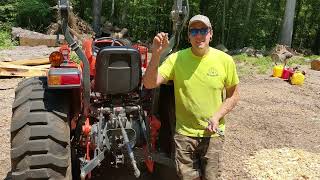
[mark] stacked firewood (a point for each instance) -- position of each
(78, 27)
(108, 30)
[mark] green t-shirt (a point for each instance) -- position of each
(198, 86)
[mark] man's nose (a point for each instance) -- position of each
(198, 35)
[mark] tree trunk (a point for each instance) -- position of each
(124, 13)
(249, 10)
(97, 4)
(316, 45)
(112, 11)
(225, 4)
(204, 6)
(287, 27)
(297, 19)
(246, 28)
(271, 40)
(82, 6)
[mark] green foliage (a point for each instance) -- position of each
(74, 57)
(258, 28)
(5, 26)
(33, 14)
(83, 8)
(7, 12)
(143, 18)
(5, 40)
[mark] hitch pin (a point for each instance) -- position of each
(218, 130)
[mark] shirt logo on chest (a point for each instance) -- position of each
(212, 72)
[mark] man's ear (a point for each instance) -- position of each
(211, 34)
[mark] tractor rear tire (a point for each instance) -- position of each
(40, 132)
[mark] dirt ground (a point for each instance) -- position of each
(273, 133)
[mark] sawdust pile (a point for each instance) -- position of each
(283, 163)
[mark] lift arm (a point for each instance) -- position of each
(179, 16)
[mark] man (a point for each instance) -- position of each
(200, 74)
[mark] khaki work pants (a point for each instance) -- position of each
(198, 157)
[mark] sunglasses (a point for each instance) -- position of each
(202, 31)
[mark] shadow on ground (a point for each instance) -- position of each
(126, 173)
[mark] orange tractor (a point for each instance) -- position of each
(67, 123)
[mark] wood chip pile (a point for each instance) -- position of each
(284, 164)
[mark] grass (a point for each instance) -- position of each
(297, 60)
(313, 57)
(253, 65)
(5, 40)
(75, 57)
(250, 65)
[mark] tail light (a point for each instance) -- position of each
(64, 78)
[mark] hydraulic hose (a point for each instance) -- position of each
(130, 152)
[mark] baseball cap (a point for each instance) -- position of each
(200, 18)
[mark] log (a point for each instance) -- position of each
(50, 41)
(73, 32)
(44, 66)
(121, 34)
(315, 65)
(31, 38)
(281, 57)
(31, 62)
(281, 54)
(12, 70)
